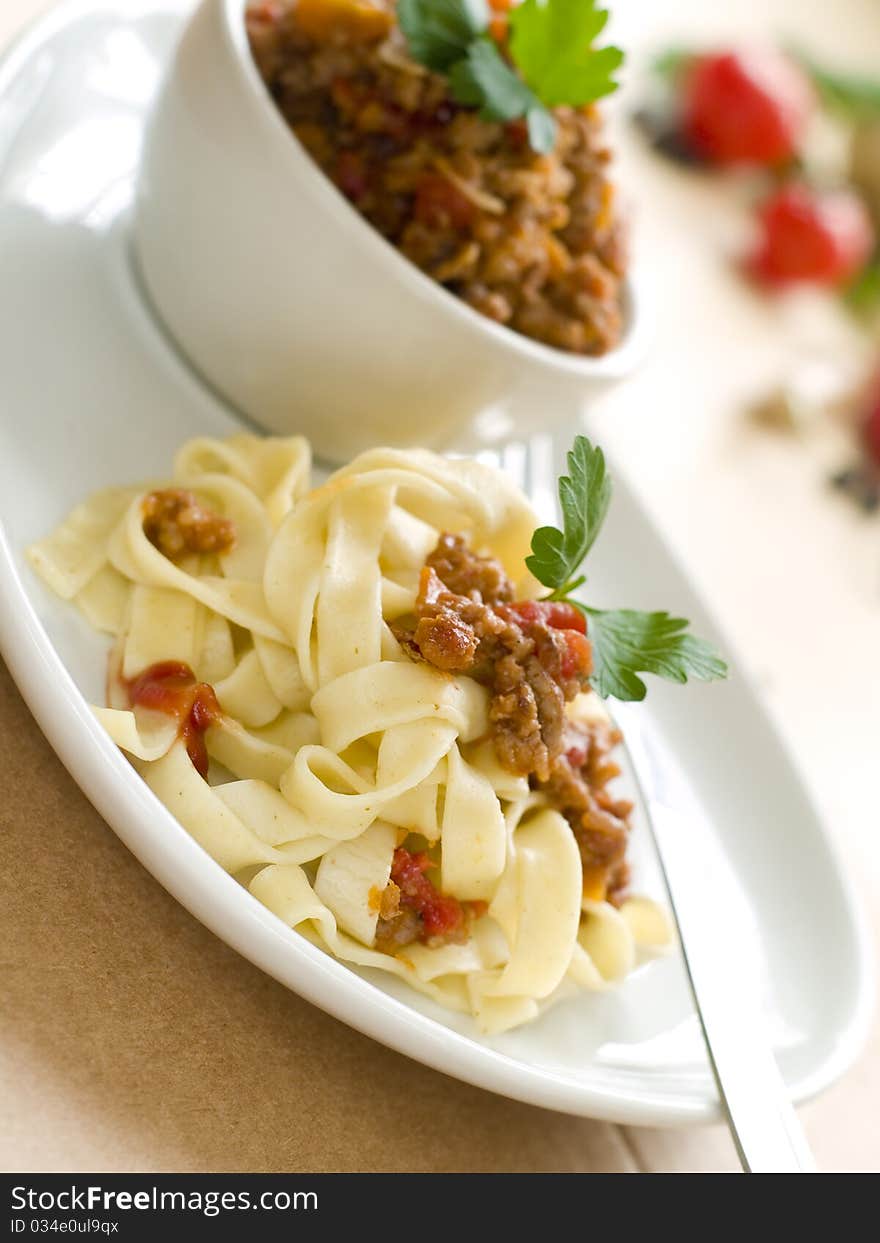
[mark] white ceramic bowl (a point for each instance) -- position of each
(289, 303)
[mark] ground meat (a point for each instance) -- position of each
(417, 911)
(528, 706)
(464, 574)
(534, 657)
(532, 241)
(461, 630)
(176, 524)
(446, 639)
(400, 930)
(469, 623)
(578, 786)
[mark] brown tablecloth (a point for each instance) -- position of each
(132, 1039)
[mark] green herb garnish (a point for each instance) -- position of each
(485, 80)
(625, 642)
(584, 497)
(552, 60)
(551, 42)
(440, 32)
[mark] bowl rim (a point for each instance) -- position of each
(616, 363)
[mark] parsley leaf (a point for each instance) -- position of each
(584, 497)
(551, 42)
(626, 643)
(485, 80)
(550, 47)
(542, 129)
(439, 32)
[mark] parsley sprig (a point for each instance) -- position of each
(551, 58)
(625, 642)
(439, 32)
(584, 497)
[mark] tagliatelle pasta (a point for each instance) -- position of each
(265, 683)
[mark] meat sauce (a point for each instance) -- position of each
(176, 523)
(534, 241)
(171, 687)
(414, 910)
(534, 657)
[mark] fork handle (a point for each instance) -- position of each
(764, 1126)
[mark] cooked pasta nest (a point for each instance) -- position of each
(333, 748)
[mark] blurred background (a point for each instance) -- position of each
(746, 434)
(790, 562)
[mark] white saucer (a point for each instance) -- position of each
(93, 394)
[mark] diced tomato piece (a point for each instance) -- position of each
(746, 107)
(578, 659)
(406, 867)
(171, 687)
(821, 237)
(557, 614)
(439, 203)
(164, 687)
(440, 913)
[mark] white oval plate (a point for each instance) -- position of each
(93, 394)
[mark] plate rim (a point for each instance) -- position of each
(143, 824)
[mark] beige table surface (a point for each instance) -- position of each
(132, 1039)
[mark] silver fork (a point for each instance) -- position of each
(755, 1100)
